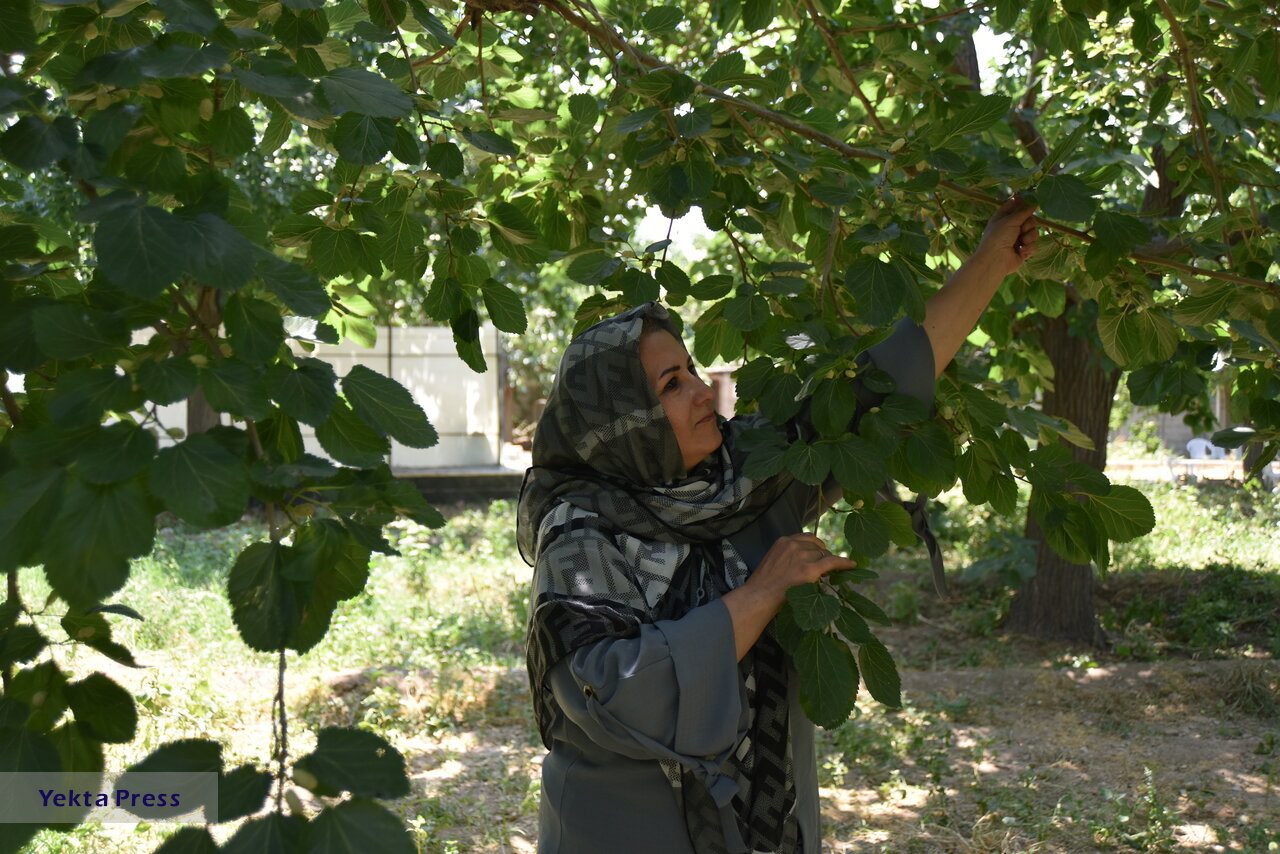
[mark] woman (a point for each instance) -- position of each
(669, 709)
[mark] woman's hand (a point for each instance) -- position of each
(952, 312)
(1010, 237)
(791, 560)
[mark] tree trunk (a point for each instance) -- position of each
(1057, 602)
(202, 417)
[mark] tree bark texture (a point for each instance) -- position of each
(201, 417)
(1057, 602)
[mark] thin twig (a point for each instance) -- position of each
(431, 60)
(280, 731)
(209, 338)
(844, 66)
(1193, 95)
(910, 25)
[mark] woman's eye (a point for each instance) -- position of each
(670, 385)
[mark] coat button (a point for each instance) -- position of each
(588, 691)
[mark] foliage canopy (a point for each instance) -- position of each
(198, 193)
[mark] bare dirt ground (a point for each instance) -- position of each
(1168, 756)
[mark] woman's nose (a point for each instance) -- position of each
(702, 391)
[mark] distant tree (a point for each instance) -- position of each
(223, 183)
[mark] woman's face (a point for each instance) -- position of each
(685, 397)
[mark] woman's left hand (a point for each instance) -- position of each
(1010, 237)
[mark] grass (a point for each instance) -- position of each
(430, 655)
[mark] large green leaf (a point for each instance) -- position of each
(298, 289)
(1066, 197)
(364, 139)
(358, 826)
(98, 529)
(348, 439)
(1135, 337)
(388, 407)
(189, 840)
(217, 254)
(142, 249)
(232, 386)
(811, 608)
(867, 532)
(977, 117)
(68, 331)
(241, 792)
(104, 708)
(858, 465)
(168, 380)
(201, 482)
(809, 463)
(515, 235)
(306, 391)
(355, 761)
(274, 833)
(115, 452)
(1122, 514)
(29, 502)
(505, 308)
(833, 405)
(879, 287)
(253, 327)
(879, 673)
(359, 91)
(828, 679)
(263, 605)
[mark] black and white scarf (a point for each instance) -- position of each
(620, 535)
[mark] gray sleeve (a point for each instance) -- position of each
(673, 692)
(907, 356)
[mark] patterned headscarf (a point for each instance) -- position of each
(621, 535)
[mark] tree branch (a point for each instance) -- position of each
(910, 25)
(844, 66)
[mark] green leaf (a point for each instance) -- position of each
(32, 144)
(188, 16)
(1066, 197)
(809, 463)
(22, 751)
(355, 761)
(977, 117)
(234, 387)
(201, 482)
(858, 465)
(115, 452)
(1065, 146)
(584, 108)
(29, 501)
(263, 604)
(931, 452)
(305, 392)
(89, 544)
(828, 679)
(20, 644)
(349, 440)
(903, 409)
(298, 289)
(747, 312)
(1134, 338)
(189, 840)
(254, 328)
(1122, 514)
(757, 14)
(275, 833)
(778, 401)
(68, 331)
(879, 673)
(78, 750)
(168, 381)
(241, 793)
(17, 33)
(898, 521)
(879, 287)
(388, 407)
(487, 140)
(661, 19)
(217, 254)
(363, 139)
(515, 235)
(811, 608)
(504, 307)
(634, 121)
(141, 249)
(864, 606)
(445, 159)
(358, 826)
(867, 533)
(852, 627)
(592, 268)
(82, 396)
(358, 91)
(400, 242)
(103, 708)
(833, 406)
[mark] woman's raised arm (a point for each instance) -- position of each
(951, 313)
